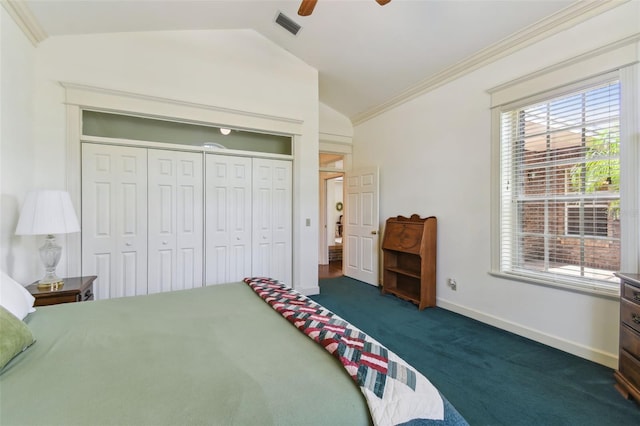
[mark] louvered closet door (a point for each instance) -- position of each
(272, 219)
(175, 220)
(228, 218)
(114, 219)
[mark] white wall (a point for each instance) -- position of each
(18, 255)
(333, 125)
(232, 69)
(444, 170)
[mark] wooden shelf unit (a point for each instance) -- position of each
(409, 249)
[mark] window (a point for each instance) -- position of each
(560, 186)
(594, 221)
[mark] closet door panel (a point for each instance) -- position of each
(272, 189)
(217, 263)
(190, 218)
(132, 214)
(114, 214)
(128, 284)
(239, 211)
(262, 223)
(188, 276)
(228, 218)
(175, 220)
(165, 280)
(162, 220)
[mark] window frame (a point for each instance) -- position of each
(628, 75)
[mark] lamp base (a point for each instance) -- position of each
(50, 255)
(55, 285)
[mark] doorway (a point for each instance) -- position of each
(334, 228)
(331, 216)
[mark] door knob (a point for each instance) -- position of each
(128, 244)
(164, 243)
(374, 232)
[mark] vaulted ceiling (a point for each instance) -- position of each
(369, 57)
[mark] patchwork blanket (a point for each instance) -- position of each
(395, 392)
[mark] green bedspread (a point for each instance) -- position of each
(216, 355)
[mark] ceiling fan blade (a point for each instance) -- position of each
(383, 2)
(306, 7)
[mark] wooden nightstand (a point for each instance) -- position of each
(76, 289)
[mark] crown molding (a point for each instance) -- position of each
(566, 18)
(23, 17)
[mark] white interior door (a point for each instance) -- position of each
(228, 218)
(272, 190)
(175, 220)
(114, 219)
(361, 223)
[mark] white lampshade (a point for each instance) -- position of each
(47, 212)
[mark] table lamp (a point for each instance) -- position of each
(48, 212)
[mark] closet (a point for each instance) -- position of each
(157, 220)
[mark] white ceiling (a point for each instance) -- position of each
(367, 55)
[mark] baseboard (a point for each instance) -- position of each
(591, 354)
(308, 291)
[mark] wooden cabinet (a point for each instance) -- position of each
(76, 289)
(409, 249)
(628, 374)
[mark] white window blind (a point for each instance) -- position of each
(560, 187)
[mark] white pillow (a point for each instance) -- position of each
(14, 297)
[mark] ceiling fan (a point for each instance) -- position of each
(306, 7)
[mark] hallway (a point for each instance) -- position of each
(332, 270)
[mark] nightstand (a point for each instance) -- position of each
(76, 289)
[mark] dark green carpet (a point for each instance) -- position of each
(492, 377)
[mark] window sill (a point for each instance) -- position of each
(589, 289)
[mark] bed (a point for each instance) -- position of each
(215, 355)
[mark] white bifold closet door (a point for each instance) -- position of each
(248, 218)
(142, 219)
(272, 191)
(228, 218)
(114, 219)
(144, 213)
(175, 200)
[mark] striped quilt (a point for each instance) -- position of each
(395, 392)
